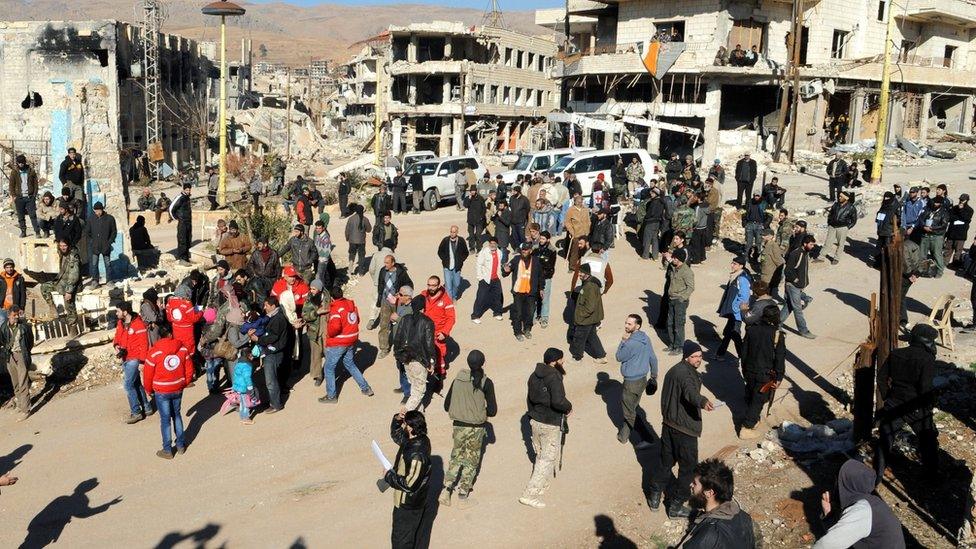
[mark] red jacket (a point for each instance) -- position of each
(134, 339)
(440, 309)
(343, 329)
(168, 369)
(181, 313)
(299, 289)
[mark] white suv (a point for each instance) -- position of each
(530, 163)
(438, 176)
(588, 166)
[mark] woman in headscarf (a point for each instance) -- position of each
(865, 520)
(150, 313)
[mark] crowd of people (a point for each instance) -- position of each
(268, 315)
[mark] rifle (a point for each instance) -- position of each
(769, 387)
(563, 428)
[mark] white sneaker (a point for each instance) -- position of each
(476, 320)
(532, 502)
(499, 317)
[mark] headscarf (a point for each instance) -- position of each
(234, 314)
(923, 336)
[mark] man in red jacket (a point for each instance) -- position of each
(168, 369)
(342, 336)
(183, 316)
(440, 309)
(132, 347)
(291, 281)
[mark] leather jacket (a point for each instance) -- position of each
(413, 340)
(410, 485)
(842, 215)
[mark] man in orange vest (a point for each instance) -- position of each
(341, 340)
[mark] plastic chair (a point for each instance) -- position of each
(941, 319)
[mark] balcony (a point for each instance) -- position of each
(959, 13)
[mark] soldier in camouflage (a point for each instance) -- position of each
(66, 284)
(470, 402)
(548, 410)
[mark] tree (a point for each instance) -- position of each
(263, 51)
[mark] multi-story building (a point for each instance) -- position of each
(698, 98)
(355, 107)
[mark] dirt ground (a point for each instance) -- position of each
(306, 477)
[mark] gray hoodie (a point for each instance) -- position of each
(636, 357)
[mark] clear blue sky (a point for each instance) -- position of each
(476, 4)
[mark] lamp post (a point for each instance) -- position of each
(223, 9)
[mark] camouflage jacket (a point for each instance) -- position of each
(635, 172)
(683, 219)
(69, 273)
(784, 233)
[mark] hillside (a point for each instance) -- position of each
(291, 33)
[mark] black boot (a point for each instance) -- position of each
(678, 510)
(654, 501)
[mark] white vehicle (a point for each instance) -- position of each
(530, 163)
(588, 166)
(409, 159)
(438, 176)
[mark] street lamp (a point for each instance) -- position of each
(223, 9)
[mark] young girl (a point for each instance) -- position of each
(244, 388)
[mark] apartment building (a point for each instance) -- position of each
(708, 103)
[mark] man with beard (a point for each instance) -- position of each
(548, 410)
(650, 215)
(587, 316)
(547, 260)
(390, 279)
(637, 361)
(526, 273)
(720, 521)
(439, 307)
(763, 361)
(681, 405)
(734, 297)
(409, 477)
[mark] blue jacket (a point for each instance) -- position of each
(735, 295)
(911, 211)
(636, 357)
(242, 377)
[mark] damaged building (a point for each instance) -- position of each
(704, 99)
(79, 84)
(446, 87)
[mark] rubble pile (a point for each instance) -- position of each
(274, 127)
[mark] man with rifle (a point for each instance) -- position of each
(763, 365)
(548, 409)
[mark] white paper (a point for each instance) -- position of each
(957, 222)
(882, 216)
(716, 404)
(380, 457)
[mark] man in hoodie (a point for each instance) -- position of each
(720, 521)
(132, 347)
(763, 361)
(23, 192)
(183, 316)
(681, 405)
(167, 370)
(735, 298)
(470, 402)
(12, 286)
(548, 410)
(587, 316)
(905, 387)
(637, 361)
(865, 519)
(409, 477)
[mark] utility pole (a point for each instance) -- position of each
(150, 50)
(794, 62)
(881, 138)
(288, 116)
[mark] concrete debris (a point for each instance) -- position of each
(271, 127)
(759, 454)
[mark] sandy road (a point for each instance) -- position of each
(305, 477)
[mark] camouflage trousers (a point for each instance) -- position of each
(70, 311)
(545, 443)
(465, 457)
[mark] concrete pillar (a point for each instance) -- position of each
(966, 121)
(448, 48)
(608, 139)
(412, 90)
(856, 114)
(411, 144)
(444, 145)
(713, 104)
(446, 87)
(396, 140)
(923, 118)
(412, 49)
(506, 134)
(457, 139)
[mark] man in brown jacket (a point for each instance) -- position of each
(23, 194)
(235, 247)
(713, 198)
(771, 263)
(577, 225)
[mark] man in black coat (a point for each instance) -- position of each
(274, 343)
(476, 217)
(960, 216)
(72, 169)
(841, 218)
(181, 210)
(526, 272)
(67, 226)
(345, 189)
(453, 252)
(836, 175)
(398, 186)
(416, 184)
(905, 386)
(763, 361)
(602, 231)
(720, 521)
(673, 168)
(745, 177)
(101, 232)
(653, 219)
(381, 203)
(390, 279)
(519, 205)
(409, 477)
(548, 409)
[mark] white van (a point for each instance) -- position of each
(530, 163)
(409, 159)
(438, 176)
(588, 166)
